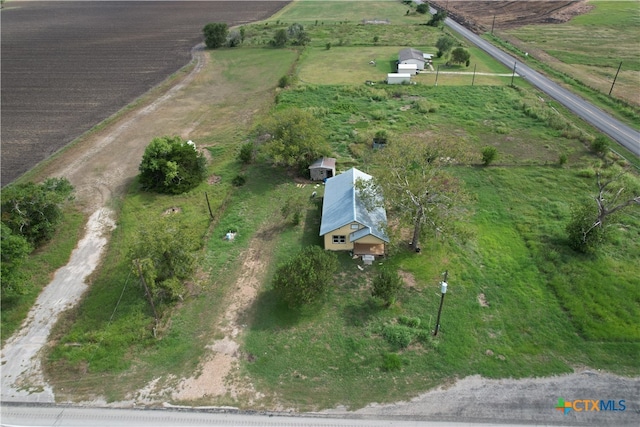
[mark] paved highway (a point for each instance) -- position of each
(62, 416)
(623, 134)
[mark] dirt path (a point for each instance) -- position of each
(218, 375)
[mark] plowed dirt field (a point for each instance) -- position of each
(66, 66)
(481, 16)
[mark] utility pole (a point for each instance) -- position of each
(437, 71)
(146, 291)
(493, 23)
(443, 291)
(515, 64)
(474, 74)
(615, 78)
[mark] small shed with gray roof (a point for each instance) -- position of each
(347, 224)
(322, 169)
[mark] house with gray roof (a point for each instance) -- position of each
(411, 56)
(347, 223)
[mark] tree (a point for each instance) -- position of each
(587, 229)
(14, 251)
(386, 286)
(34, 211)
(460, 55)
(307, 276)
(297, 139)
(280, 38)
(437, 19)
(413, 178)
(164, 254)
(215, 34)
(444, 45)
(170, 165)
(299, 36)
(422, 8)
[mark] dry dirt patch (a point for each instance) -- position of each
(218, 376)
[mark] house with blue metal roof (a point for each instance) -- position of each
(347, 223)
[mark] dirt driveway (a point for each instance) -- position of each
(101, 168)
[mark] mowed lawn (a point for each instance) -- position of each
(352, 65)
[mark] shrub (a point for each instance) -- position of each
(284, 81)
(422, 106)
(398, 336)
(412, 322)
(280, 38)
(239, 180)
(245, 155)
(422, 8)
(306, 277)
(327, 46)
(234, 39)
(391, 362)
(600, 145)
(14, 250)
(583, 236)
(562, 160)
(386, 286)
(489, 154)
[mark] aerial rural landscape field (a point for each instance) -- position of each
(521, 302)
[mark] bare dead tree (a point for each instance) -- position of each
(616, 192)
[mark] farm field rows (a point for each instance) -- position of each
(66, 66)
(521, 303)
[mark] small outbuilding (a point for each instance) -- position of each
(411, 56)
(398, 78)
(408, 69)
(322, 169)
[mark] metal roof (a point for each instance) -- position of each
(325, 162)
(410, 53)
(342, 205)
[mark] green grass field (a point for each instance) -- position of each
(316, 12)
(520, 302)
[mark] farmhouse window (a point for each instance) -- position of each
(339, 239)
(354, 226)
